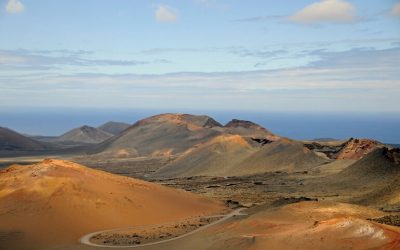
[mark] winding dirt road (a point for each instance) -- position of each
(86, 238)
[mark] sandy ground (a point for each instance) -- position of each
(75, 209)
(149, 234)
(56, 202)
(305, 225)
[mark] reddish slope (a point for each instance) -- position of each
(357, 148)
(299, 226)
(56, 202)
(308, 226)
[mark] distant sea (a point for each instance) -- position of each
(379, 126)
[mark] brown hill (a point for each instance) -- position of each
(55, 202)
(173, 134)
(375, 177)
(165, 134)
(248, 129)
(114, 128)
(236, 155)
(377, 167)
(84, 134)
(13, 141)
(281, 155)
(217, 157)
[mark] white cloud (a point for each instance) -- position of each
(326, 11)
(165, 13)
(14, 6)
(395, 10)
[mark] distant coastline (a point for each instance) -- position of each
(301, 126)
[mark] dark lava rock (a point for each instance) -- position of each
(393, 220)
(262, 141)
(290, 200)
(232, 204)
(392, 154)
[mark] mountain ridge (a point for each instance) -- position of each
(84, 134)
(11, 140)
(114, 128)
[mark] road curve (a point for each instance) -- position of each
(86, 238)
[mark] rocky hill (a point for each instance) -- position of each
(13, 141)
(84, 134)
(114, 128)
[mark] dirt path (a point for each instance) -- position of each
(86, 238)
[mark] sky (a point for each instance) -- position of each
(278, 56)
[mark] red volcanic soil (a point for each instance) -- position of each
(56, 202)
(308, 226)
(357, 148)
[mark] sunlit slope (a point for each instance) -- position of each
(236, 155)
(218, 157)
(165, 134)
(57, 201)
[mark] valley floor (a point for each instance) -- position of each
(308, 202)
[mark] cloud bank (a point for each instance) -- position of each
(343, 80)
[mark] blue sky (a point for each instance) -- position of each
(303, 55)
